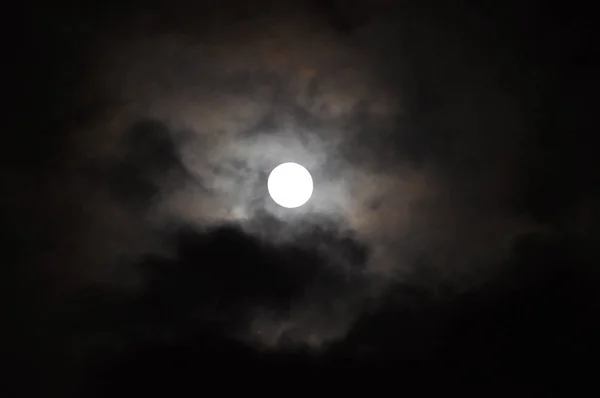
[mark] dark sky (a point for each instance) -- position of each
(452, 230)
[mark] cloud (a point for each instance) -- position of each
(227, 282)
(414, 163)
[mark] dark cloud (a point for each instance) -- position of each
(225, 275)
(207, 295)
(530, 312)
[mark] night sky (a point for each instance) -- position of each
(451, 234)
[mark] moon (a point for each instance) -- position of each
(290, 185)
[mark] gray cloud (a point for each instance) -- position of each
(422, 176)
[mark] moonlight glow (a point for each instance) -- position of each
(290, 185)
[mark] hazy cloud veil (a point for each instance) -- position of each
(194, 118)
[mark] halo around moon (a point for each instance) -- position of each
(290, 185)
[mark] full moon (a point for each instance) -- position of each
(290, 185)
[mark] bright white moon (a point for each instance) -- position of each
(290, 185)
